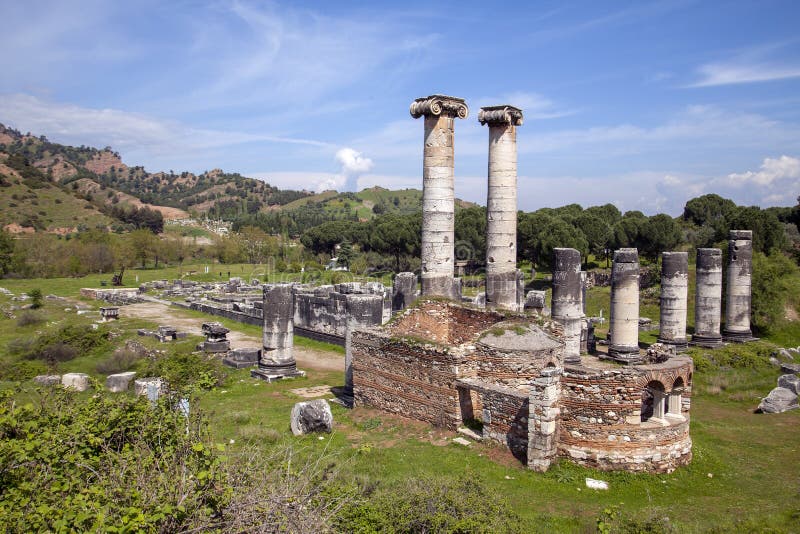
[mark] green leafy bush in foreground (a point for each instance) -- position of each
(105, 463)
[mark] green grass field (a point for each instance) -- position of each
(743, 478)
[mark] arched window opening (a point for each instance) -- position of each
(674, 400)
(653, 401)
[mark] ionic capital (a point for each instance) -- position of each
(438, 105)
(498, 115)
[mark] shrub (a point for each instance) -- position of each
(121, 360)
(21, 370)
(187, 370)
(98, 464)
(29, 318)
(36, 298)
(56, 353)
(430, 505)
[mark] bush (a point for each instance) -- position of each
(109, 463)
(36, 298)
(56, 353)
(187, 370)
(121, 360)
(430, 505)
(22, 370)
(29, 318)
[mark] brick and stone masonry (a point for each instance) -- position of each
(708, 298)
(634, 418)
(624, 316)
(277, 360)
(674, 299)
(566, 303)
(501, 206)
(543, 435)
(737, 302)
(438, 193)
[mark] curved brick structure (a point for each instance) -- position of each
(602, 410)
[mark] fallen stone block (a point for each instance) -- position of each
(790, 368)
(75, 381)
(461, 441)
(592, 483)
(311, 416)
(47, 380)
(119, 382)
(242, 357)
(779, 400)
(152, 387)
(790, 382)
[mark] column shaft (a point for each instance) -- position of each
(567, 307)
(708, 298)
(737, 304)
(624, 315)
(674, 296)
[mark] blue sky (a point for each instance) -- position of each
(644, 104)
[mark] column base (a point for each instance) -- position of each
(501, 291)
(627, 355)
(707, 342)
(272, 373)
(441, 286)
(680, 345)
(738, 337)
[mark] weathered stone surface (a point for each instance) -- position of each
(404, 290)
(47, 380)
(277, 358)
(501, 206)
(708, 298)
(311, 416)
(779, 400)
(151, 386)
(438, 193)
(624, 316)
(119, 382)
(737, 304)
(242, 357)
(535, 300)
(674, 299)
(567, 307)
(76, 381)
(790, 368)
(790, 382)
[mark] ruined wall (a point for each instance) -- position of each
(502, 410)
(513, 359)
(600, 422)
(413, 379)
(327, 309)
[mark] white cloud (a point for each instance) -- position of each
(353, 162)
(774, 171)
(714, 74)
(305, 180)
(143, 136)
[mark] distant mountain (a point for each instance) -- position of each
(92, 185)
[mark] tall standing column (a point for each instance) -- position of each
(438, 193)
(737, 303)
(501, 206)
(624, 316)
(566, 303)
(708, 298)
(277, 359)
(674, 296)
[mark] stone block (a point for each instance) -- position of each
(311, 416)
(151, 386)
(119, 382)
(790, 382)
(779, 400)
(47, 380)
(75, 381)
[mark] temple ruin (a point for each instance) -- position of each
(501, 207)
(708, 298)
(438, 193)
(674, 299)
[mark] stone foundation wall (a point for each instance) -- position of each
(412, 379)
(511, 368)
(600, 424)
